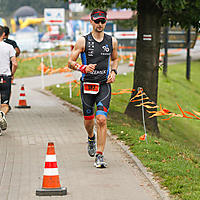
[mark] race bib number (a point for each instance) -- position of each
(91, 88)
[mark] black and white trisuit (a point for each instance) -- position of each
(96, 53)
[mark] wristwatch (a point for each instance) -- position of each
(114, 70)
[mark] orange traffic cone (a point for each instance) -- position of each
(51, 184)
(22, 99)
(131, 63)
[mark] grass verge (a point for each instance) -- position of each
(30, 67)
(174, 158)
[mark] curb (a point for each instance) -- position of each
(163, 194)
(149, 176)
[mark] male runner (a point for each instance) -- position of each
(9, 41)
(7, 53)
(15, 46)
(96, 49)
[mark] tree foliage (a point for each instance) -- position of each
(182, 12)
(152, 15)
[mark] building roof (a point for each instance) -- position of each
(115, 15)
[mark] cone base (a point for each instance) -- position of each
(22, 106)
(51, 192)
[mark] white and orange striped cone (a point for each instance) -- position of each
(51, 183)
(131, 63)
(22, 99)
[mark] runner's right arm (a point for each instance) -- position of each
(14, 65)
(78, 48)
(17, 51)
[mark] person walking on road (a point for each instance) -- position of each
(7, 54)
(96, 49)
(15, 46)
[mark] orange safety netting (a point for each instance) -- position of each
(49, 70)
(149, 104)
(123, 91)
(42, 55)
(143, 137)
(75, 85)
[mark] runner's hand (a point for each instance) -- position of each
(111, 77)
(90, 68)
(12, 76)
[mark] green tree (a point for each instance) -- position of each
(152, 15)
(3, 6)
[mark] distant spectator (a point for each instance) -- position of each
(15, 46)
(7, 54)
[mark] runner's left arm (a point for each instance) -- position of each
(114, 59)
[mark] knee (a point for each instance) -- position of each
(101, 120)
(4, 106)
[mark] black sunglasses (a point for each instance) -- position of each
(103, 21)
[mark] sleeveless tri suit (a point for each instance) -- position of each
(94, 88)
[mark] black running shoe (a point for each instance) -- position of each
(91, 147)
(3, 122)
(99, 161)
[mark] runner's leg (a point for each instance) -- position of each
(89, 126)
(5, 93)
(103, 102)
(5, 108)
(88, 102)
(101, 132)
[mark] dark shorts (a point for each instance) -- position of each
(102, 100)
(5, 88)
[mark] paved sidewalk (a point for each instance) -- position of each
(23, 149)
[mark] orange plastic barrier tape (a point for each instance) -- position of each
(162, 111)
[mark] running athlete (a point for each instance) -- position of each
(96, 49)
(7, 54)
(15, 46)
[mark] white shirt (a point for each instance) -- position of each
(6, 53)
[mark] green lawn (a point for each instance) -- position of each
(175, 88)
(30, 67)
(175, 157)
